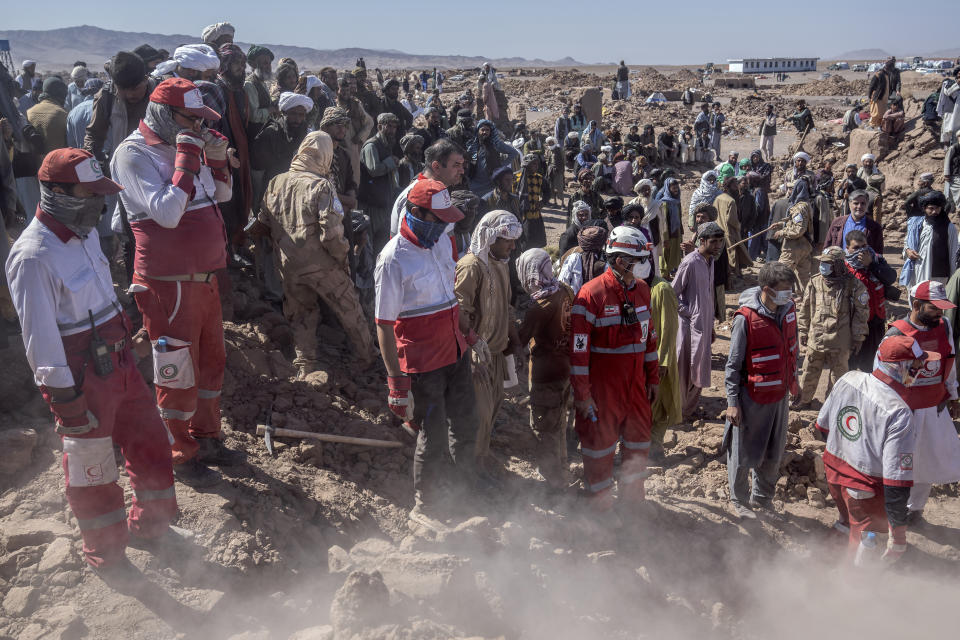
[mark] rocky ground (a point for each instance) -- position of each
(315, 543)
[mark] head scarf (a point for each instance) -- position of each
(27, 63)
(314, 155)
(535, 270)
(200, 57)
(551, 142)
(673, 205)
(214, 31)
(229, 54)
(591, 241)
(79, 73)
(496, 224)
(91, 86)
(334, 115)
(527, 159)
(166, 68)
(312, 83)
(707, 191)
(579, 205)
(384, 118)
(256, 50)
(801, 155)
(159, 118)
(868, 156)
(646, 182)
(55, 90)
(290, 100)
(709, 230)
(409, 139)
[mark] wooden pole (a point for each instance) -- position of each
(329, 437)
(737, 244)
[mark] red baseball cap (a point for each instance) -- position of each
(933, 292)
(901, 348)
(76, 166)
(433, 195)
(183, 94)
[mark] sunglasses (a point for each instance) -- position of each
(187, 115)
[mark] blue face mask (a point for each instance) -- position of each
(826, 269)
(427, 232)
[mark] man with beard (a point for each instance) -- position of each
(879, 92)
(469, 205)
(390, 103)
(930, 248)
(933, 394)
(587, 195)
(502, 197)
(195, 62)
(562, 126)
(274, 147)
(49, 117)
(856, 220)
(365, 94)
(233, 125)
(924, 186)
(486, 156)
(60, 286)
(581, 215)
(176, 171)
(872, 270)
(361, 123)
(218, 34)
(832, 323)
(693, 285)
(412, 161)
(433, 131)
(529, 187)
(313, 258)
(379, 183)
(334, 123)
(483, 291)
(257, 87)
(728, 217)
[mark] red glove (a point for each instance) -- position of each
(896, 544)
(72, 417)
(187, 163)
(215, 149)
(399, 397)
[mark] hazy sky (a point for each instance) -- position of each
(690, 32)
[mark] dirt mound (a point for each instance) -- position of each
(832, 86)
(684, 79)
(649, 79)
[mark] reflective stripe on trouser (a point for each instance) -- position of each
(301, 307)
(618, 387)
(127, 413)
(813, 365)
(869, 514)
(488, 391)
(188, 311)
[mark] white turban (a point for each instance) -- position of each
(551, 142)
(164, 68)
(290, 100)
(646, 182)
(79, 73)
(801, 154)
(535, 270)
(312, 82)
(28, 63)
(214, 31)
(606, 149)
(199, 57)
(496, 224)
(868, 156)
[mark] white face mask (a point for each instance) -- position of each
(781, 298)
(641, 270)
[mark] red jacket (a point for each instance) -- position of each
(601, 342)
(876, 290)
(929, 389)
(772, 356)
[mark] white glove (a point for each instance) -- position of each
(481, 352)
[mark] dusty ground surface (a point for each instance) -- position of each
(315, 542)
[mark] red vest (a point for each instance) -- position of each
(876, 290)
(929, 389)
(771, 355)
(196, 245)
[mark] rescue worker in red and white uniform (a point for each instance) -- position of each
(933, 397)
(761, 369)
(175, 171)
(615, 370)
(424, 343)
(870, 452)
(78, 344)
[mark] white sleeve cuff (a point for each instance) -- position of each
(60, 377)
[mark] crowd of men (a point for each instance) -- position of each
(149, 189)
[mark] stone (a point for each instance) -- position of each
(363, 601)
(324, 632)
(32, 532)
(815, 497)
(819, 468)
(66, 621)
(319, 379)
(417, 574)
(59, 555)
(338, 560)
(863, 141)
(20, 601)
(669, 439)
(17, 445)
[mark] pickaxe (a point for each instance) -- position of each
(269, 432)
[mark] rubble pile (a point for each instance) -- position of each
(832, 86)
(684, 79)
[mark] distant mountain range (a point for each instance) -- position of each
(56, 49)
(880, 54)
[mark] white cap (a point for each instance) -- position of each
(290, 100)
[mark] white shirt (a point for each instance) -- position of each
(54, 285)
(399, 209)
(146, 171)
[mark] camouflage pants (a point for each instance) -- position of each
(816, 361)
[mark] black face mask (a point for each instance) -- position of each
(928, 320)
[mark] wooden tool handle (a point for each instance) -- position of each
(329, 437)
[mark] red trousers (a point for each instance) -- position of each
(127, 415)
(623, 412)
(188, 312)
(868, 514)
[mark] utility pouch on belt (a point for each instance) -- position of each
(99, 352)
(172, 364)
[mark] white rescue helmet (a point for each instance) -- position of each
(628, 240)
